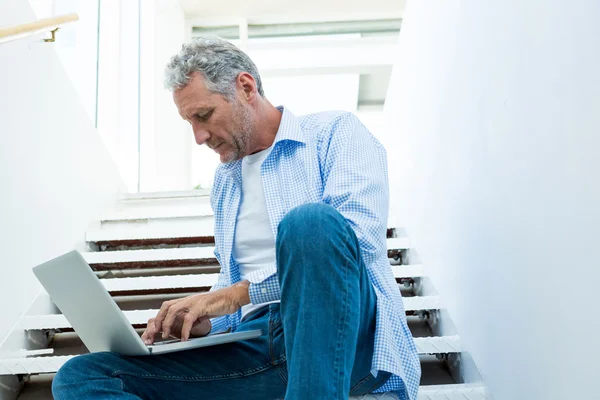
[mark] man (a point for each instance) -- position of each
(300, 207)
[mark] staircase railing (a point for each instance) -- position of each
(33, 28)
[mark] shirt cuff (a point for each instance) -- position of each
(219, 325)
(264, 286)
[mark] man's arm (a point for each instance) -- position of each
(221, 323)
(356, 184)
(189, 316)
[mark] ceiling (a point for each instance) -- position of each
(372, 86)
(297, 9)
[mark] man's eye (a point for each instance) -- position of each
(204, 117)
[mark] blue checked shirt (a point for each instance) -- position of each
(332, 158)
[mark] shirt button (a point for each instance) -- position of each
(264, 290)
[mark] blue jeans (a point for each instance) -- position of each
(317, 344)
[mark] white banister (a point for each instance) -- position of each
(32, 28)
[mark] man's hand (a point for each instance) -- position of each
(200, 328)
(190, 315)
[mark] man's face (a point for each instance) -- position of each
(226, 127)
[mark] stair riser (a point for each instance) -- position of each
(181, 237)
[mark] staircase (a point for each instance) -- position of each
(155, 247)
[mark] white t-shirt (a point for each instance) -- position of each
(254, 243)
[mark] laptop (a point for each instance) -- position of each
(98, 320)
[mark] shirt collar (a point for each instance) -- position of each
(289, 129)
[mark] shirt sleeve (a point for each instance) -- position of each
(223, 323)
(219, 325)
(354, 169)
(264, 285)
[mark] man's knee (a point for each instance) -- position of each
(313, 230)
(80, 369)
(309, 219)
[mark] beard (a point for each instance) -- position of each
(242, 127)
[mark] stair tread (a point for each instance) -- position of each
(156, 213)
(193, 282)
(203, 280)
(39, 389)
(58, 321)
(49, 364)
(182, 253)
(464, 391)
(208, 280)
(139, 228)
(184, 222)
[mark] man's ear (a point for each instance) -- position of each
(247, 84)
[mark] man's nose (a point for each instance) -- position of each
(201, 135)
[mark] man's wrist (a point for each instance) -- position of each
(242, 293)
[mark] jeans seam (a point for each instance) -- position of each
(341, 332)
(197, 378)
(271, 351)
(281, 368)
(282, 358)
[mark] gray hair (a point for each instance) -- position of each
(219, 61)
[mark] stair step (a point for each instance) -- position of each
(438, 344)
(160, 205)
(140, 317)
(422, 303)
(157, 213)
(146, 229)
(38, 388)
(186, 256)
(182, 256)
(201, 282)
(40, 365)
(154, 231)
(208, 280)
(164, 196)
(126, 286)
(469, 391)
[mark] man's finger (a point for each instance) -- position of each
(145, 334)
(164, 309)
(172, 314)
(150, 332)
(188, 323)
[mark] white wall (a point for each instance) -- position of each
(496, 109)
(56, 176)
(77, 45)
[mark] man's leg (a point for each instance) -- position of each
(247, 369)
(328, 306)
